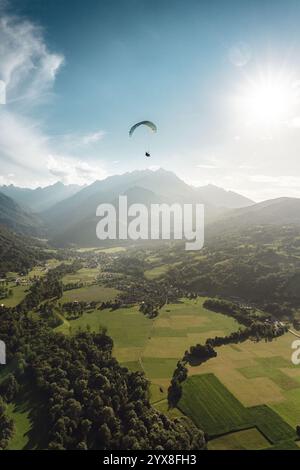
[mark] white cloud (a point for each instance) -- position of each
(28, 71)
(69, 170)
(22, 142)
(207, 166)
(285, 181)
(26, 66)
(72, 142)
(295, 122)
(93, 137)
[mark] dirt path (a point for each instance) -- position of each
(294, 333)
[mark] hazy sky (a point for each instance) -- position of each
(220, 79)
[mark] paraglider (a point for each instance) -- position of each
(149, 124)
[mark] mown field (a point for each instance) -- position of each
(259, 373)
(213, 408)
(251, 373)
(83, 275)
(89, 293)
(155, 345)
(18, 294)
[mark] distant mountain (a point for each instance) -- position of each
(280, 211)
(18, 220)
(40, 199)
(83, 232)
(73, 220)
(219, 197)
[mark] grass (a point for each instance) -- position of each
(111, 250)
(22, 421)
(259, 373)
(127, 326)
(289, 407)
(287, 445)
(162, 407)
(156, 273)
(89, 293)
(212, 407)
(19, 293)
(29, 416)
(84, 275)
(272, 425)
(251, 374)
(271, 368)
(156, 345)
(248, 439)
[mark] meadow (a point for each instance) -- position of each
(212, 407)
(90, 293)
(155, 345)
(259, 374)
(229, 424)
(18, 294)
(83, 275)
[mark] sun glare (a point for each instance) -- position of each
(269, 101)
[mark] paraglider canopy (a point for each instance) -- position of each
(147, 154)
(149, 124)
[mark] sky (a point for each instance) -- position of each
(221, 80)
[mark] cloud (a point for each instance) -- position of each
(73, 142)
(27, 76)
(93, 137)
(207, 166)
(69, 170)
(27, 67)
(22, 142)
(285, 181)
(295, 122)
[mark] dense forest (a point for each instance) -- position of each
(17, 252)
(260, 265)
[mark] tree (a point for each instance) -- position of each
(9, 388)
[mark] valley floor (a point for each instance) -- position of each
(248, 397)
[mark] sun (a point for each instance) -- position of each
(269, 100)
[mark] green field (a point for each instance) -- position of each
(156, 345)
(84, 275)
(229, 424)
(29, 416)
(271, 424)
(127, 326)
(19, 293)
(259, 374)
(248, 439)
(111, 250)
(89, 293)
(156, 273)
(212, 407)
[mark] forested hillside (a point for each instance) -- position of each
(17, 252)
(16, 218)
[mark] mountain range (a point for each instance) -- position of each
(67, 214)
(40, 199)
(17, 219)
(73, 220)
